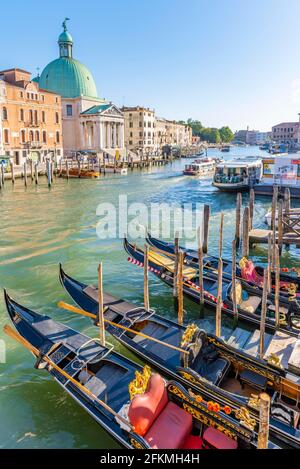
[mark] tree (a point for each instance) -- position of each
(226, 134)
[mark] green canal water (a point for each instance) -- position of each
(40, 228)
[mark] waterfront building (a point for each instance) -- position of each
(196, 140)
(172, 133)
(89, 123)
(252, 137)
(139, 128)
(30, 118)
(2, 96)
(288, 133)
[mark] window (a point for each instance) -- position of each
(44, 136)
(22, 115)
(69, 110)
(131, 134)
(56, 118)
(130, 142)
(35, 117)
(42, 97)
(140, 124)
(4, 114)
(43, 117)
(37, 136)
(31, 116)
(6, 136)
(23, 136)
(21, 94)
(56, 99)
(31, 136)
(57, 137)
(130, 124)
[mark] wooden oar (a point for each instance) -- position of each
(16, 336)
(76, 310)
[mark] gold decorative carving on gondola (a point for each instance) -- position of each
(188, 335)
(274, 360)
(140, 383)
(136, 444)
(209, 422)
(254, 401)
(245, 419)
(204, 408)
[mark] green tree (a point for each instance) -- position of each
(226, 134)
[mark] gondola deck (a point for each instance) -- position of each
(169, 361)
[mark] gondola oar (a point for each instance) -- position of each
(76, 310)
(17, 337)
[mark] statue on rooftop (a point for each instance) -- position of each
(64, 25)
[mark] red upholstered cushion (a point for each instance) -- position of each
(218, 440)
(170, 429)
(193, 442)
(145, 408)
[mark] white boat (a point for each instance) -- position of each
(238, 174)
(201, 167)
(282, 171)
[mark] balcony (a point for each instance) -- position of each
(33, 124)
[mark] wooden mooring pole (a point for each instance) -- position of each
(270, 262)
(263, 316)
(221, 235)
(67, 170)
(1, 180)
(245, 251)
(36, 173)
(233, 274)
(277, 286)
(25, 174)
(180, 287)
(206, 216)
(12, 170)
(31, 169)
(251, 208)
(101, 309)
(200, 266)
(238, 219)
(146, 278)
(219, 299)
(280, 228)
(264, 415)
(2, 175)
(175, 276)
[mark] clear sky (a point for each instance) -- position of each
(224, 62)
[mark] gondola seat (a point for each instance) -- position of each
(250, 304)
(163, 424)
(215, 439)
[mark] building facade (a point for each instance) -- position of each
(287, 132)
(89, 123)
(139, 129)
(172, 133)
(252, 137)
(30, 118)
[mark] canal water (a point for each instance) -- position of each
(40, 228)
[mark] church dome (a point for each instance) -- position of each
(66, 76)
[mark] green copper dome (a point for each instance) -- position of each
(66, 76)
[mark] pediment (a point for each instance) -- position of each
(112, 111)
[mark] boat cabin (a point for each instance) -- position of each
(200, 167)
(238, 174)
(282, 171)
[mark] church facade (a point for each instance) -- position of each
(89, 122)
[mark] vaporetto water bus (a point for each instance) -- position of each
(238, 174)
(201, 167)
(282, 171)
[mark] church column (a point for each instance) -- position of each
(121, 136)
(82, 143)
(100, 142)
(115, 134)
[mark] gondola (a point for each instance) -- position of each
(135, 406)
(249, 297)
(246, 270)
(211, 369)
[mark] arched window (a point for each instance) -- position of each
(22, 115)
(36, 117)
(6, 136)
(37, 136)
(43, 117)
(44, 136)
(4, 114)
(57, 137)
(56, 118)
(31, 136)
(31, 116)
(23, 136)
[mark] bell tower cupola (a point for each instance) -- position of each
(65, 42)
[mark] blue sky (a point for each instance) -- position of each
(234, 62)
